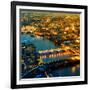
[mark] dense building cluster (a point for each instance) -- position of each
(60, 28)
(63, 29)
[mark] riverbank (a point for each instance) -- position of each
(65, 67)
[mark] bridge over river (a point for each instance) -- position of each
(54, 55)
(50, 56)
(53, 58)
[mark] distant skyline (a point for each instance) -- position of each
(25, 11)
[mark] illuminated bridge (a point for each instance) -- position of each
(47, 57)
(58, 54)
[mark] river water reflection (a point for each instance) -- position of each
(40, 43)
(66, 71)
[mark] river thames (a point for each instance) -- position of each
(45, 44)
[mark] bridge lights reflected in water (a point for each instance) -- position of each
(75, 68)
